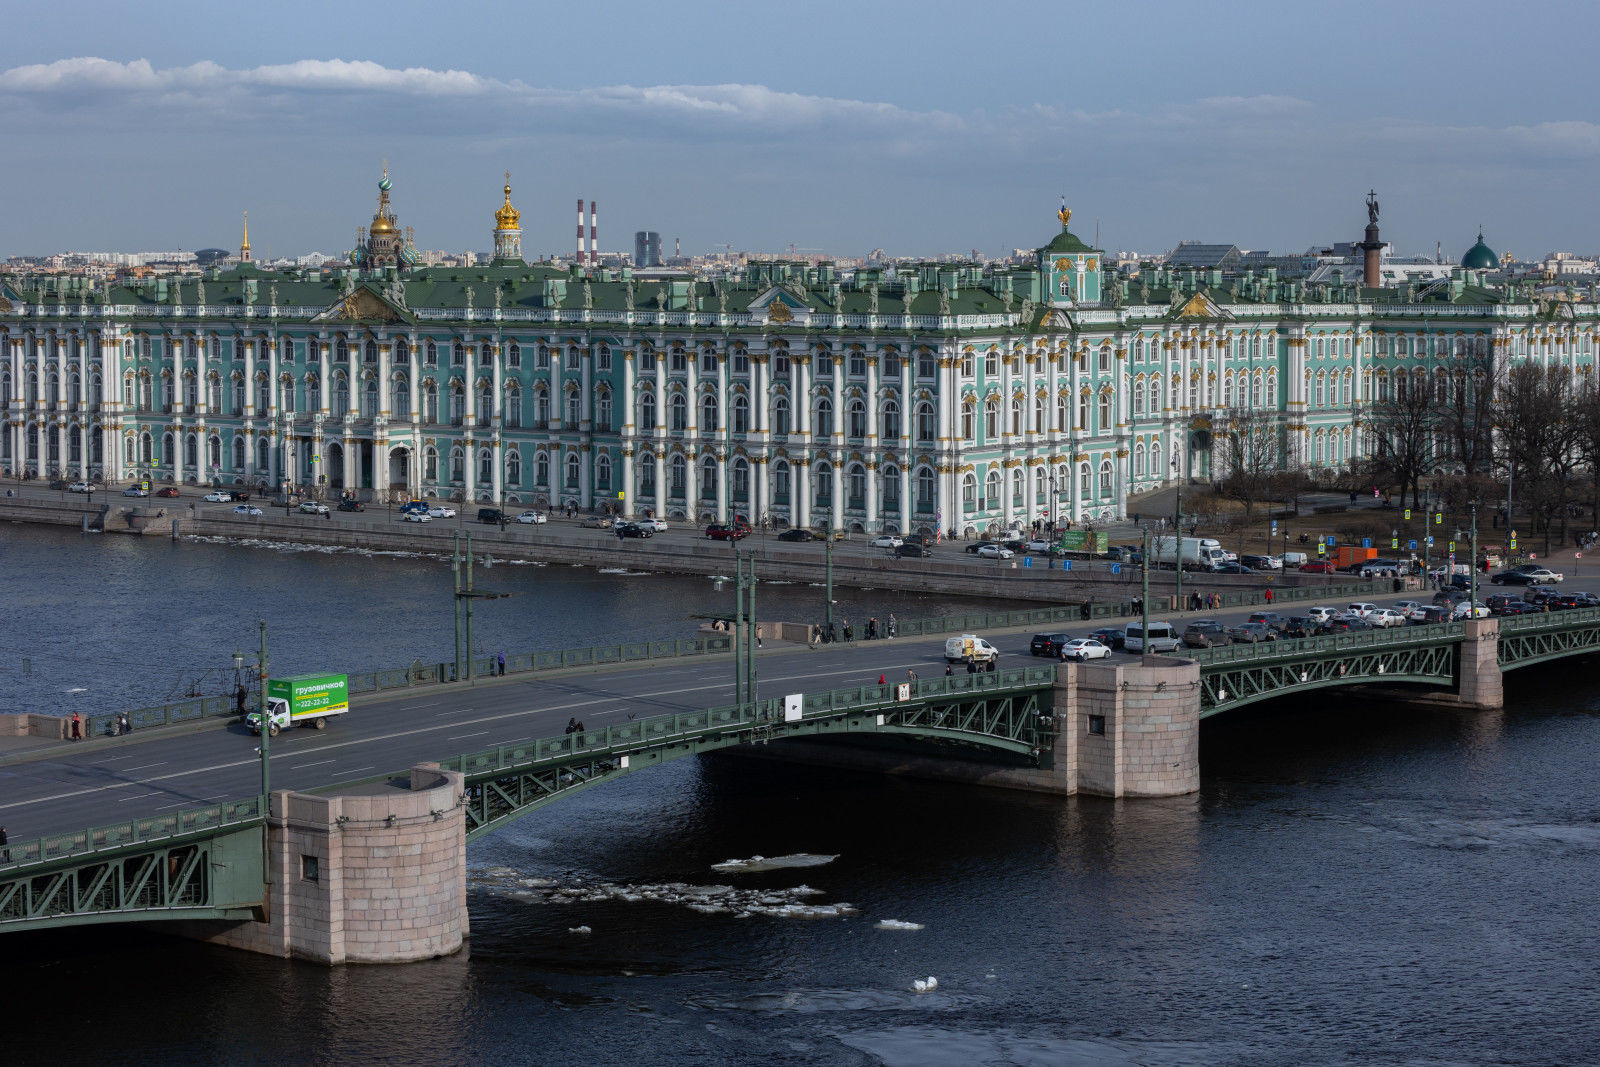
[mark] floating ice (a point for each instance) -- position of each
(924, 985)
(792, 903)
(762, 863)
(78, 689)
(896, 924)
(581, 931)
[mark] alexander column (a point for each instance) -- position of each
(1372, 245)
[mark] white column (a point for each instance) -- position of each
(872, 494)
(800, 490)
(629, 486)
(384, 357)
(722, 485)
(627, 402)
(662, 476)
(800, 368)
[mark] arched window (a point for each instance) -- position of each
(969, 413)
(680, 476)
(1062, 424)
(780, 482)
(780, 416)
(927, 422)
(927, 488)
(991, 419)
(485, 405)
(458, 404)
(1084, 485)
(680, 413)
(741, 414)
(485, 467)
(969, 491)
(858, 418)
(1227, 390)
(1040, 414)
(1105, 478)
(514, 355)
(602, 471)
(457, 470)
(708, 414)
(430, 464)
(1105, 411)
(824, 421)
(647, 412)
(1083, 412)
(1138, 460)
(824, 485)
(541, 469)
(574, 408)
(708, 478)
(1138, 396)
(369, 398)
(891, 488)
(891, 420)
(572, 470)
(991, 489)
(1016, 415)
(647, 474)
(602, 406)
(513, 470)
(741, 479)
(513, 414)
(430, 400)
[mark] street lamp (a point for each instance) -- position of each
(1177, 538)
(265, 721)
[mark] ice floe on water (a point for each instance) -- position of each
(622, 570)
(581, 931)
(789, 903)
(756, 864)
(924, 985)
(897, 924)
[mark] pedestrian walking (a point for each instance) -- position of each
(123, 725)
(760, 633)
(972, 665)
(847, 630)
(892, 626)
(239, 696)
(813, 635)
(1269, 598)
(949, 670)
(572, 726)
(500, 664)
(5, 853)
(881, 679)
(911, 676)
(77, 727)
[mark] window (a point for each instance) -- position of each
(513, 469)
(708, 414)
(513, 415)
(824, 425)
(603, 363)
(741, 361)
(431, 355)
(891, 489)
(680, 362)
(857, 365)
(514, 355)
(1097, 725)
(780, 364)
(679, 413)
(647, 474)
(969, 414)
(780, 416)
(780, 482)
(603, 410)
(310, 869)
(341, 352)
(1138, 396)
(927, 422)
(991, 364)
(891, 420)
(1016, 415)
(741, 479)
(969, 492)
(574, 408)
(1083, 413)
(647, 412)
(1105, 411)
(927, 366)
(927, 487)
(1105, 477)
(857, 487)
(741, 414)
(991, 419)
(858, 418)
(991, 489)
(602, 471)
(541, 469)
(966, 364)
(1105, 359)
(541, 358)
(572, 468)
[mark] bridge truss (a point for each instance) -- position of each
(1006, 712)
(1529, 639)
(1236, 675)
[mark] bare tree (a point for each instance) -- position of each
(1540, 443)
(1464, 391)
(1402, 429)
(1249, 453)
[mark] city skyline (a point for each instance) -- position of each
(705, 128)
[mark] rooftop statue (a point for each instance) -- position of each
(1372, 207)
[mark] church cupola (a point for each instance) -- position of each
(382, 244)
(508, 230)
(1070, 268)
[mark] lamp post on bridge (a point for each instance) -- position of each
(266, 722)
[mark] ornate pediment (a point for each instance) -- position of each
(362, 305)
(781, 307)
(1201, 306)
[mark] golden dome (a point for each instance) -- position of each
(508, 217)
(382, 224)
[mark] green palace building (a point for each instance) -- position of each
(935, 397)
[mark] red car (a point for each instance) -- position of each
(1316, 566)
(718, 531)
(167, 490)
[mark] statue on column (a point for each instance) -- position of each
(200, 293)
(588, 296)
(872, 299)
(272, 295)
(1372, 207)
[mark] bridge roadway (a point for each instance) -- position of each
(108, 780)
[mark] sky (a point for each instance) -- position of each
(920, 128)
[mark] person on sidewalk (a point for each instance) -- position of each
(760, 633)
(77, 727)
(500, 664)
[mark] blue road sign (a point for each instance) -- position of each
(1366, 542)
(1066, 564)
(1413, 544)
(1116, 568)
(1027, 561)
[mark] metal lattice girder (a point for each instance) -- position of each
(215, 877)
(1234, 683)
(1530, 639)
(1007, 711)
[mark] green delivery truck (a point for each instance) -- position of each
(311, 699)
(1079, 543)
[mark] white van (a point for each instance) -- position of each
(1162, 638)
(969, 646)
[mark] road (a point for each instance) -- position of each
(108, 780)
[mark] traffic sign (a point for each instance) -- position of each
(1066, 564)
(1366, 542)
(1430, 540)
(1413, 545)
(1274, 525)
(1116, 568)
(1027, 561)
(1394, 542)
(1408, 514)
(1452, 548)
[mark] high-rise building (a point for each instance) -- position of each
(646, 248)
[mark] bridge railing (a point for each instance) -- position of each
(433, 673)
(1554, 620)
(665, 729)
(136, 831)
(1359, 641)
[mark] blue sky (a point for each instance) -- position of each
(918, 127)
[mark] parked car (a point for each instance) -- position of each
(1343, 624)
(531, 518)
(1511, 606)
(416, 515)
(633, 529)
(135, 490)
(1160, 638)
(1316, 566)
(217, 496)
(352, 505)
(1468, 610)
(797, 534)
(1232, 568)
(1446, 598)
(492, 516)
(82, 487)
(414, 505)
(1386, 617)
(912, 551)
(1206, 633)
(310, 507)
(979, 546)
(168, 491)
(1297, 626)
(655, 526)
(1361, 610)
(885, 541)
(1048, 644)
(246, 509)
(719, 531)
(1405, 606)
(590, 522)
(441, 511)
(1111, 636)
(1040, 547)
(1513, 578)
(1319, 615)
(995, 552)
(1269, 619)
(1428, 616)
(1084, 648)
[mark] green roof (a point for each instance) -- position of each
(1480, 256)
(1067, 241)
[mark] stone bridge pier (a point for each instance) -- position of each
(377, 876)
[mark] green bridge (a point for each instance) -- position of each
(1035, 727)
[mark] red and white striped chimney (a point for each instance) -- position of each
(580, 231)
(594, 236)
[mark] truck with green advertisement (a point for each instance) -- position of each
(310, 699)
(1082, 543)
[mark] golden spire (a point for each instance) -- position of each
(244, 246)
(1065, 214)
(508, 217)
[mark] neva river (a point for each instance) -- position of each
(1356, 883)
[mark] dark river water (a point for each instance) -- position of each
(1356, 883)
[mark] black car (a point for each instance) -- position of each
(352, 505)
(913, 551)
(491, 516)
(632, 529)
(1513, 577)
(1509, 606)
(1047, 644)
(1344, 624)
(1232, 568)
(799, 533)
(58, 483)
(1251, 633)
(1301, 626)
(976, 545)
(918, 539)
(1110, 636)
(1270, 619)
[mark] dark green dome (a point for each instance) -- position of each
(1480, 256)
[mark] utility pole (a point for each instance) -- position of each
(455, 571)
(1474, 561)
(740, 664)
(750, 643)
(1144, 596)
(1177, 542)
(828, 584)
(465, 595)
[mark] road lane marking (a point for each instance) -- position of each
(143, 766)
(139, 796)
(303, 766)
(463, 737)
(414, 707)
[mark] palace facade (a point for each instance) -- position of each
(936, 397)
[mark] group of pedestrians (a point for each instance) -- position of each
(819, 634)
(1211, 601)
(574, 726)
